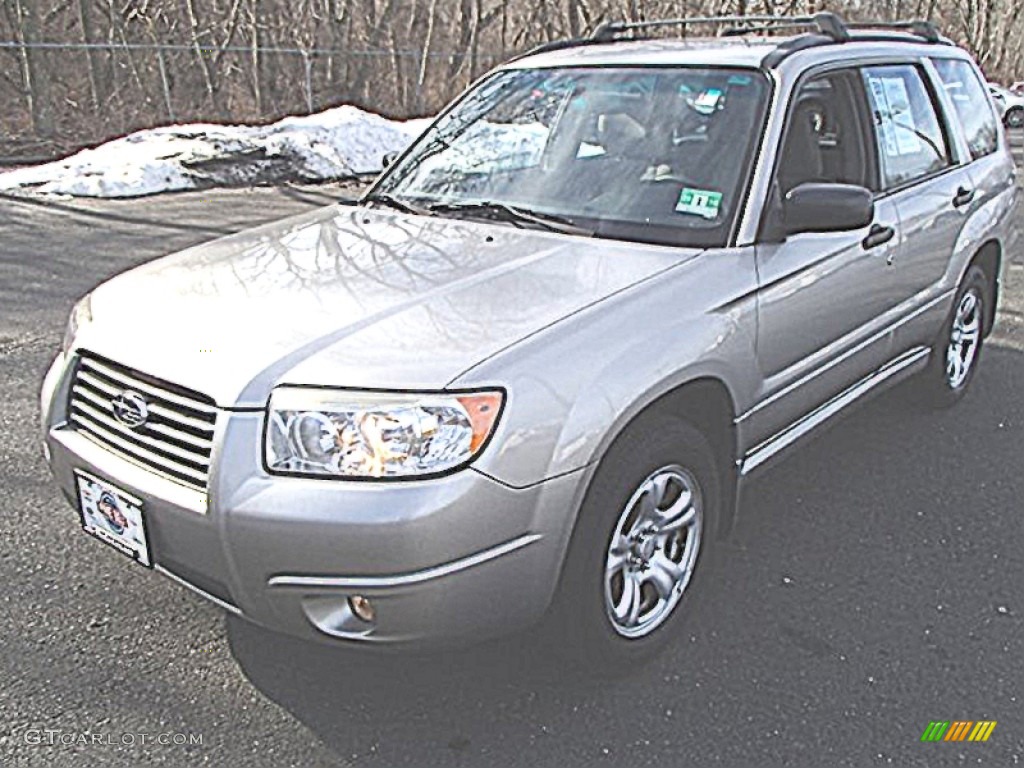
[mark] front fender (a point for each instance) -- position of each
(573, 387)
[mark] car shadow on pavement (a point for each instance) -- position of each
(814, 595)
(434, 706)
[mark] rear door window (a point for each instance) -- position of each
(911, 142)
(972, 105)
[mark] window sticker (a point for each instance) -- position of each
(899, 133)
(699, 202)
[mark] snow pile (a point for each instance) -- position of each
(337, 143)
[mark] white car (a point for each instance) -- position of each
(1009, 104)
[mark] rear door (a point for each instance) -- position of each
(919, 172)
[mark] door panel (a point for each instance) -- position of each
(822, 319)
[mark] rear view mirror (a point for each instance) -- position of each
(814, 207)
(388, 159)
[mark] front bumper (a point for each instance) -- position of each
(447, 560)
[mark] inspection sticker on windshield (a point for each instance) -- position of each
(699, 202)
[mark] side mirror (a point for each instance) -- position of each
(814, 207)
(388, 159)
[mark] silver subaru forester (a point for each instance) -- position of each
(528, 374)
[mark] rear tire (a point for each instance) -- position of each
(643, 537)
(957, 350)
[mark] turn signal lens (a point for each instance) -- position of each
(483, 411)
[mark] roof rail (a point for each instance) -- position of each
(926, 30)
(825, 23)
(557, 45)
(826, 28)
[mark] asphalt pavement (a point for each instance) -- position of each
(875, 585)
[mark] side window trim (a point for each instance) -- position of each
(938, 106)
(867, 126)
(882, 194)
(955, 135)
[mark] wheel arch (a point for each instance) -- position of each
(989, 258)
(706, 403)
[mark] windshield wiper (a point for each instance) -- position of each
(383, 198)
(513, 214)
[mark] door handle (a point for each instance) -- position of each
(963, 197)
(877, 235)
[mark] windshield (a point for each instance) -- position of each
(655, 155)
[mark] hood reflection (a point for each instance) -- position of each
(356, 297)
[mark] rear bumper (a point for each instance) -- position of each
(446, 560)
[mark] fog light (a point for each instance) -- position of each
(362, 608)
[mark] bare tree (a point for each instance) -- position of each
(244, 60)
(34, 68)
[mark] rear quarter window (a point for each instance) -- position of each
(972, 105)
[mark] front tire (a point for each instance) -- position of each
(645, 532)
(1014, 118)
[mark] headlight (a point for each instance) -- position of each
(342, 434)
(81, 314)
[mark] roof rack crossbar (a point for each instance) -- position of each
(923, 29)
(754, 29)
(826, 23)
(827, 27)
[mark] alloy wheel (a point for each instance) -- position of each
(652, 551)
(965, 333)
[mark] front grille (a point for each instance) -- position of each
(176, 439)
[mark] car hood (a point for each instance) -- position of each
(352, 297)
